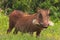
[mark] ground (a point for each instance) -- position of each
(51, 33)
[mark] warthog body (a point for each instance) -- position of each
(29, 23)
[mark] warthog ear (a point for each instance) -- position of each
(48, 11)
(35, 21)
(38, 10)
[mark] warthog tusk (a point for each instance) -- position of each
(51, 23)
(35, 21)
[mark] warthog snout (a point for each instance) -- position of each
(50, 23)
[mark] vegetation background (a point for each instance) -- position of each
(30, 6)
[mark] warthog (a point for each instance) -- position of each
(29, 23)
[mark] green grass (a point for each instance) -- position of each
(51, 33)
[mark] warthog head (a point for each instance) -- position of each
(43, 18)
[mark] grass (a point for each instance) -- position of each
(51, 33)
